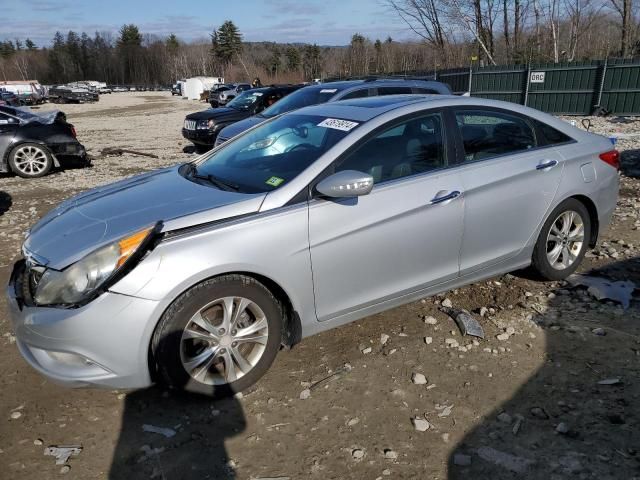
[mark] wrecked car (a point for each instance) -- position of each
(32, 144)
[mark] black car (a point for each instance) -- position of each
(64, 94)
(10, 99)
(176, 90)
(32, 144)
(202, 128)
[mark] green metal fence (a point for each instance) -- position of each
(576, 88)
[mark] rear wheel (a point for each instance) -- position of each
(563, 241)
(30, 160)
(219, 337)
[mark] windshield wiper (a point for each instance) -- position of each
(213, 180)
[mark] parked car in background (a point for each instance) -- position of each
(234, 90)
(9, 98)
(66, 94)
(313, 219)
(104, 90)
(214, 95)
(202, 128)
(334, 91)
(176, 90)
(32, 144)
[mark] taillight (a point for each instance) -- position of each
(611, 157)
(73, 131)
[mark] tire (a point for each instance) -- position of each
(200, 149)
(187, 357)
(568, 246)
(30, 160)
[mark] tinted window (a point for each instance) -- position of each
(393, 90)
(245, 100)
(425, 91)
(487, 134)
(301, 98)
(363, 92)
(273, 153)
(551, 135)
(409, 148)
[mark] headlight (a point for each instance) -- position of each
(81, 279)
(206, 124)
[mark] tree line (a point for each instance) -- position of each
(451, 34)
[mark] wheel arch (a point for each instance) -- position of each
(593, 217)
(292, 328)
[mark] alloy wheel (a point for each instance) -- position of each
(30, 160)
(565, 239)
(224, 340)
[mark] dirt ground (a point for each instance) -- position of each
(533, 405)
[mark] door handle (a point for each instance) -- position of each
(547, 164)
(449, 196)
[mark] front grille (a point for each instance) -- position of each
(190, 124)
(27, 282)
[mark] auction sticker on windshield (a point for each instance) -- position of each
(274, 181)
(344, 125)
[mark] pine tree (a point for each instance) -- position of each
(226, 42)
(293, 58)
(172, 42)
(29, 44)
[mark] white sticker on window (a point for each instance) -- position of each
(337, 124)
(257, 94)
(329, 90)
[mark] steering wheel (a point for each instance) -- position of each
(301, 146)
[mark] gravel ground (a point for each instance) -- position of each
(551, 393)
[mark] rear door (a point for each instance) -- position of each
(509, 178)
(402, 237)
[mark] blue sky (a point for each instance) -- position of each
(326, 22)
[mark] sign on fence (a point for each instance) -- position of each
(537, 77)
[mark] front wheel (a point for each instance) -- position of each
(563, 241)
(219, 337)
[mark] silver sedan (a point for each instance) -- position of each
(196, 275)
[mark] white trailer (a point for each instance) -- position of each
(195, 86)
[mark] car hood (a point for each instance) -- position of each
(220, 115)
(103, 215)
(241, 126)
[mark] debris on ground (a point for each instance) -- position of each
(118, 152)
(505, 460)
(63, 452)
(418, 379)
(338, 373)
(420, 424)
(609, 381)
(167, 432)
(601, 288)
(465, 321)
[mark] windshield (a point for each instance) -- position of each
(300, 98)
(272, 154)
(245, 100)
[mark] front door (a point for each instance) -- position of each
(405, 235)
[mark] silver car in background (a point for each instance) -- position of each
(196, 275)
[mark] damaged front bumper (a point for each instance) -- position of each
(104, 343)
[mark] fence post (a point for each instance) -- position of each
(470, 76)
(526, 88)
(604, 74)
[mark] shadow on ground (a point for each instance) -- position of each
(630, 163)
(583, 428)
(196, 451)
(5, 202)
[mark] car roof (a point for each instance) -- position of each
(363, 109)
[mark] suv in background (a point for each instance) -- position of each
(202, 128)
(214, 95)
(234, 90)
(334, 91)
(9, 98)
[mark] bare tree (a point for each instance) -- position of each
(623, 7)
(423, 17)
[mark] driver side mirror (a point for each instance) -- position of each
(348, 183)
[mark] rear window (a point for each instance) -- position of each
(551, 135)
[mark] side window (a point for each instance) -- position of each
(551, 135)
(487, 134)
(425, 91)
(393, 90)
(272, 98)
(363, 92)
(412, 147)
